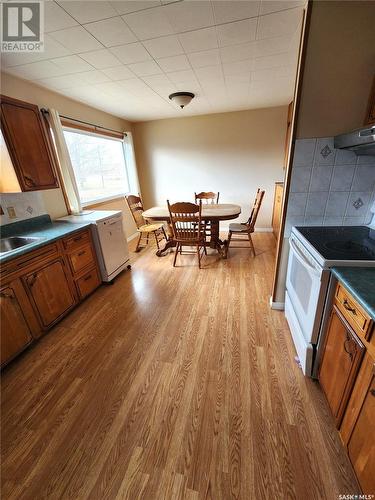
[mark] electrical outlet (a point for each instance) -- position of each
(11, 213)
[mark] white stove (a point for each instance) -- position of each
(313, 252)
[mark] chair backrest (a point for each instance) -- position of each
(136, 208)
(207, 196)
(255, 210)
(186, 221)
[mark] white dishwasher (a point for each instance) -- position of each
(109, 239)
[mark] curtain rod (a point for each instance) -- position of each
(46, 112)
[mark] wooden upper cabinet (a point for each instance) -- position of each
(341, 359)
(15, 331)
(50, 292)
(29, 143)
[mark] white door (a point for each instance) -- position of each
(303, 285)
(113, 243)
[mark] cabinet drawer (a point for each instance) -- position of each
(354, 314)
(81, 258)
(88, 283)
(29, 260)
(77, 240)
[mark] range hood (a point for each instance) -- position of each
(361, 141)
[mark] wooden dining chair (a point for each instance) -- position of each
(187, 227)
(244, 230)
(144, 227)
(207, 196)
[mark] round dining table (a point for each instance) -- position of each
(213, 213)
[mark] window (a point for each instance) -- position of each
(99, 166)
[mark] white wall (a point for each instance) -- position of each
(234, 153)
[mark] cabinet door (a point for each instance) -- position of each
(361, 447)
(50, 292)
(29, 144)
(15, 331)
(341, 359)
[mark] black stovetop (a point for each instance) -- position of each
(341, 242)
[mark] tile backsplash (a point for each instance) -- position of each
(329, 187)
(21, 206)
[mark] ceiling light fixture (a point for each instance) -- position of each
(181, 98)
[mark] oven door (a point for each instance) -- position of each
(303, 285)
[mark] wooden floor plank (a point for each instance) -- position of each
(173, 383)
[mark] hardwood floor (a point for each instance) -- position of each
(174, 383)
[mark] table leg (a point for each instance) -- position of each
(169, 244)
(216, 242)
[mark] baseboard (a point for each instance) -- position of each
(277, 306)
(131, 237)
(263, 229)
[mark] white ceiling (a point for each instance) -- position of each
(126, 57)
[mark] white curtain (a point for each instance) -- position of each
(131, 163)
(66, 168)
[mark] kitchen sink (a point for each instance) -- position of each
(13, 242)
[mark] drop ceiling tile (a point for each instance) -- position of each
(150, 23)
(209, 74)
(270, 46)
(237, 32)
(76, 39)
(156, 79)
(262, 74)
(131, 53)
(198, 40)
(118, 73)
(279, 23)
(128, 6)
(238, 67)
(37, 70)
(269, 6)
(164, 46)
(94, 76)
(231, 80)
(185, 16)
(61, 82)
(71, 64)
(55, 18)
(111, 32)
(233, 53)
(275, 61)
(86, 12)
(204, 58)
(100, 59)
(183, 77)
(145, 68)
(174, 63)
(226, 11)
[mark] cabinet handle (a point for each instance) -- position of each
(87, 277)
(31, 281)
(81, 253)
(348, 308)
(29, 181)
(7, 295)
(77, 238)
(348, 340)
(372, 392)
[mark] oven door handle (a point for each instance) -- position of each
(299, 255)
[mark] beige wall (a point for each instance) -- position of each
(27, 91)
(339, 67)
(234, 153)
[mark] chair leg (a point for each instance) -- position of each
(165, 236)
(229, 238)
(251, 245)
(205, 248)
(199, 256)
(156, 239)
(175, 254)
(147, 239)
(138, 242)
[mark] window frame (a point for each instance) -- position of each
(84, 131)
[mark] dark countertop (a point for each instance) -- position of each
(360, 282)
(40, 227)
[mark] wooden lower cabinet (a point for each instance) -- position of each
(277, 207)
(15, 330)
(50, 292)
(357, 429)
(343, 353)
